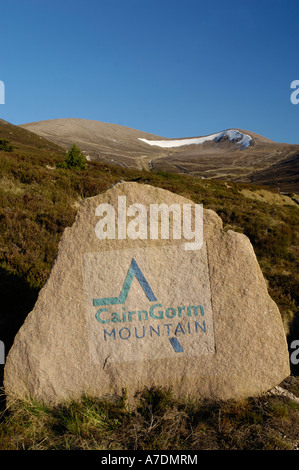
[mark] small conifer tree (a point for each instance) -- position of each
(74, 159)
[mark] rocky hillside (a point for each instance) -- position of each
(232, 154)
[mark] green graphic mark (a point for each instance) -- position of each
(134, 271)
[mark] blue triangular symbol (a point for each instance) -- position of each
(134, 271)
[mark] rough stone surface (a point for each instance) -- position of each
(233, 347)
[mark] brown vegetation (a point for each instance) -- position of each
(37, 202)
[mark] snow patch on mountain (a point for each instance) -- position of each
(234, 135)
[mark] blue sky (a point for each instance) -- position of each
(172, 68)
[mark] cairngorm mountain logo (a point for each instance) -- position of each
(134, 271)
(156, 311)
(147, 303)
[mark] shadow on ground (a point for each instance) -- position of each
(17, 300)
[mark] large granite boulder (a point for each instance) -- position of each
(130, 313)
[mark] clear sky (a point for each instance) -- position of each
(175, 68)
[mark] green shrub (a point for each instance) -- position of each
(74, 160)
(5, 145)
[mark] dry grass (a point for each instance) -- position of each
(158, 422)
(269, 197)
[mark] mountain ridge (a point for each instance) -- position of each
(216, 156)
(65, 123)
